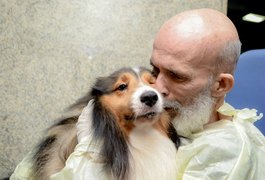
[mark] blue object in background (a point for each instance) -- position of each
(249, 88)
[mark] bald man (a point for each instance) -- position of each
(194, 57)
(195, 54)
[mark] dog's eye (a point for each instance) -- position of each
(122, 87)
(152, 80)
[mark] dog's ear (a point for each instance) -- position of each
(81, 102)
(115, 148)
(103, 85)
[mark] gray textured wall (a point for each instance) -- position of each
(52, 50)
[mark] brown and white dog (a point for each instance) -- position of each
(139, 141)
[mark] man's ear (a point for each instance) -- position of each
(222, 85)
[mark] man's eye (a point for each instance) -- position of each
(122, 87)
(173, 75)
(155, 71)
(177, 77)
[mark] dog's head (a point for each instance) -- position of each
(123, 101)
(128, 95)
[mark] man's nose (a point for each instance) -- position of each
(161, 85)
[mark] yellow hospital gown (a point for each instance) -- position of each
(223, 150)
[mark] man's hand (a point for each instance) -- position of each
(83, 125)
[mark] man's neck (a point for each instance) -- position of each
(216, 116)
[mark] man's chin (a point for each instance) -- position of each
(187, 128)
(172, 108)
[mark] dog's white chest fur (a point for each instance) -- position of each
(152, 155)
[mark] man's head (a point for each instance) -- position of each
(194, 57)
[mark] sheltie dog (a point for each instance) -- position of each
(128, 116)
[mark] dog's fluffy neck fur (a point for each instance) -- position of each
(148, 149)
(145, 148)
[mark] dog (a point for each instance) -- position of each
(139, 141)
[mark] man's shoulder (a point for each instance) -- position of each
(225, 144)
(214, 146)
(219, 138)
(229, 138)
(224, 131)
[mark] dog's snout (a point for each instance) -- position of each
(149, 98)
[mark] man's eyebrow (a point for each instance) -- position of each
(178, 73)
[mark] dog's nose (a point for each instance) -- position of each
(149, 98)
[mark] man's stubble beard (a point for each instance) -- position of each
(191, 119)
